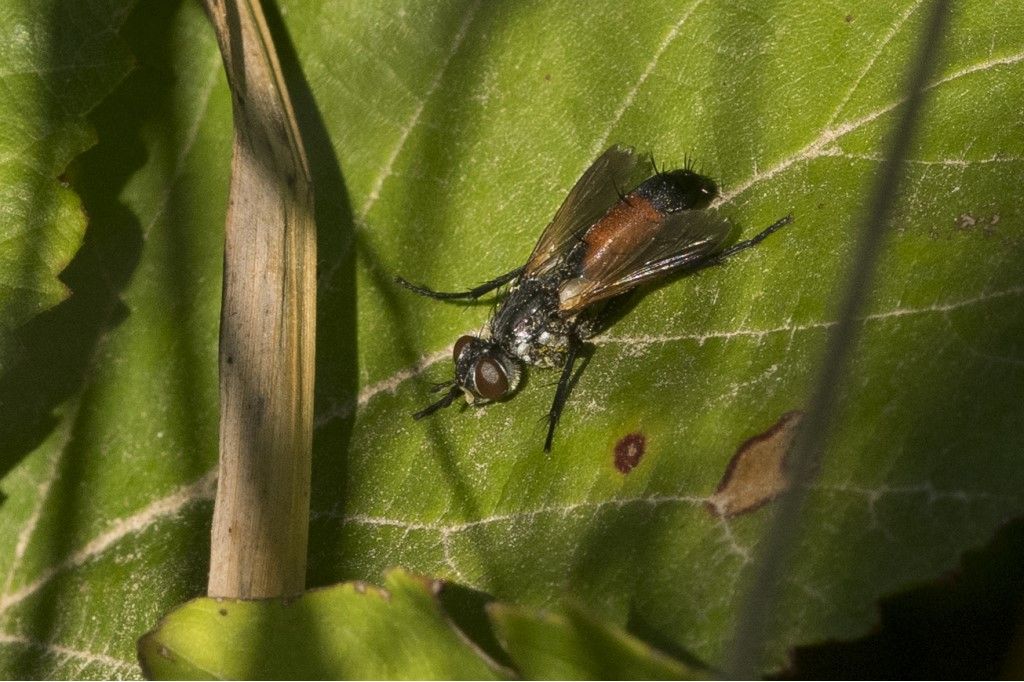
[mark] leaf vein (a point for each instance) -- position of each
(118, 529)
(516, 517)
(25, 535)
(957, 163)
(873, 59)
(392, 382)
(819, 147)
(388, 169)
(627, 101)
(60, 650)
(191, 137)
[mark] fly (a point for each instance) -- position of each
(600, 244)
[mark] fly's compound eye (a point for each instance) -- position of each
(491, 379)
(459, 345)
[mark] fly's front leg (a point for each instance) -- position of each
(474, 293)
(562, 392)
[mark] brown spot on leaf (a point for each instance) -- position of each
(628, 451)
(223, 612)
(758, 471)
(848, 18)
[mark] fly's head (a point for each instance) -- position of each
(483, 373)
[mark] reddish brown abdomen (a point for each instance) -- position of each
(625, 228)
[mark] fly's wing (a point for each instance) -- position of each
(682, 239)
(598, 188)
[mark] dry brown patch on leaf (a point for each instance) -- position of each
(758, 471)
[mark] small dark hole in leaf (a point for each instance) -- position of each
(223, 612)
(628, 451)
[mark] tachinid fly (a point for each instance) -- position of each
(600, 244)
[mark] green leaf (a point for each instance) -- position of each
(577, 646)
(109, 424)
(348, 631)
(442, 140)
(59, 60)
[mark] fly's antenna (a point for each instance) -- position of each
(447, 400)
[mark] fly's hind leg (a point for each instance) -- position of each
(722, 256)
(474, 293)
(755, 240)
(562, 392)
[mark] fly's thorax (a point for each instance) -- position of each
(484, 371)
(543, 345)
(678, 190)
(528, 326)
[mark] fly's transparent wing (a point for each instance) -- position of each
(645, 252)
(614, 172)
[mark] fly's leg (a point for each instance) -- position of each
(684, 262)
(449, 397)
(720, 257)
(562, 392)
(475, 292)
(753, 241)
